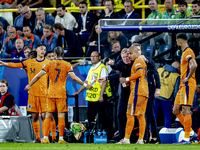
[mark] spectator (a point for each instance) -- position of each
(130, 14)
(49, 55)
(68, 41)
(183, 13)
(169, 13)
(109, 11)
(18, 54)
(85, 23)
(196, 110)
(10, 42)
(18, 22)
(93, 40)
(155, 14)
(49, 38)
(7, 100)
(5, 4)
(116, 48)
(4, 23)
(195, 7)
(41, 20)
(97, 98)
(30, 39)
(66, 19)
(75, 3)
(115, 35)
(3, 37)
(29, 18)
(27, 50)
(170, 81)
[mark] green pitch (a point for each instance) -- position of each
(77, 146)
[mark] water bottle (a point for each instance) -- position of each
(99, 132)
(104, 132)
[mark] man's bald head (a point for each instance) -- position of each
(12, 32)
(19, 44)
(176, 65)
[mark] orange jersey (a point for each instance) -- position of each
(33, 68)
(58, 71)
(139, 84)
(187, 55)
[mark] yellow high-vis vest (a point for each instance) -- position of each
(167, 82)
(93, 95)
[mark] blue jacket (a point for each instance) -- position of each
(10, 44)
(72, 42)
(134, 15)
(196, 103)
(18, 22)
(50, 42)
(4, 23)
(15, 54)
(3, 39)
(33, 42)
(48, 20)
(90, 21)
(170, 68)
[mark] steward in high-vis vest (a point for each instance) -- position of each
(169, 81)
(98, 95)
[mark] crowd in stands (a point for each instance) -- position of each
(77, 33)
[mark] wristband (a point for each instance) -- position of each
(127, 79)
(85, 84)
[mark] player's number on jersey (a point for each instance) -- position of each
(57, 74)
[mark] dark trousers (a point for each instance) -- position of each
(121, 116)
(196, 121)
(167, 110)
(150, 116)
(93, 109)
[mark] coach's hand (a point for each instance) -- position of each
(27, 88)
(101, 99)
(122, 80)
(101, 79)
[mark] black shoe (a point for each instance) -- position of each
(54, 141)
(154, 141)
(37, 141)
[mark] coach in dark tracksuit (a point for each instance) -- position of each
(125, 71)
(152, 76)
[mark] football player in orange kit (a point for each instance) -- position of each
(37, 95)
(58, 70)
(185, 95)
(138, 95)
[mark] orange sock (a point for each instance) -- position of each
(61, 125)
(187, 125)
(47, 123)
(142, 126)
(43, 127)
(36, 128)
(53, 130)
(129, 126)
(181, 119)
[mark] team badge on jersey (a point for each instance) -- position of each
(29, 106)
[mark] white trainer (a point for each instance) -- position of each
(140, 141)
(124, 141)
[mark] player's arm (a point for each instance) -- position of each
(35, 79)
(78, 80)
(193, 67)
(137, 75)
(11, 65)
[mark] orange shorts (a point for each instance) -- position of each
(59, 103)
(185, 95)
(36, 103)
(136, 105)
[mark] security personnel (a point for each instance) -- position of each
(169, 80)
(98, 95)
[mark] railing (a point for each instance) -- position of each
(143, 7)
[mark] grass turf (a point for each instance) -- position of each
(78, 146)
